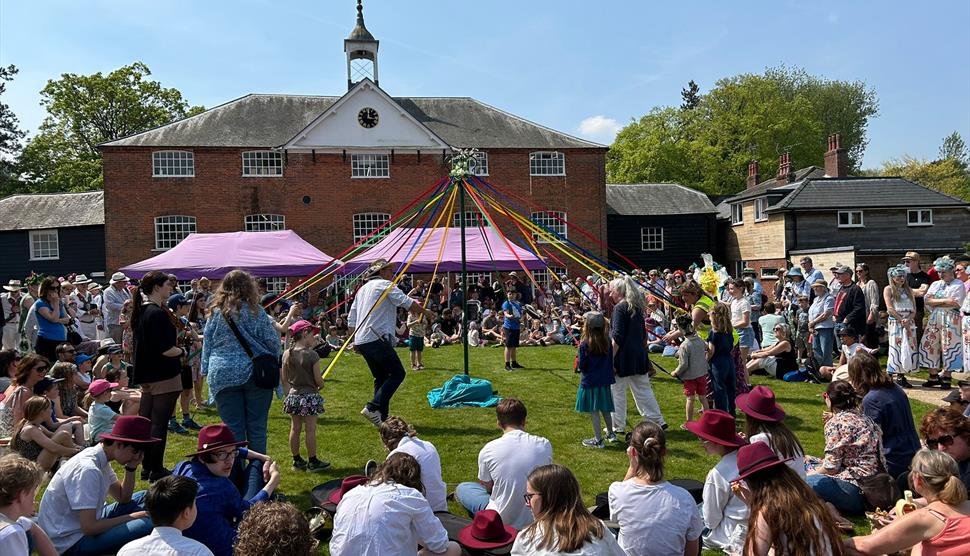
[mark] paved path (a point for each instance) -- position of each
(933, 396)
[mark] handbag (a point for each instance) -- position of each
(73, 337)
(880, 489)
(266, 368)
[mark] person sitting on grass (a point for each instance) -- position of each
(47, 388)
(170, 503)
(102, 417)
(400, 437)
(595, 362)
(124, 400)
(779, 359)
(34, 441)
(301, 377)
(850, 346)
(19, 481)
(764, 422)
(220, 502)
(767, 321)
(692, 367)
(274, 529)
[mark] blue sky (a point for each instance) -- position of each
(581, 67)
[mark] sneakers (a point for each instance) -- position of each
(370, 468)
(188, 423)
(299, 464)
(315, 465)
(158, 474)
(593, 443)
(174, 426)
(611, 437)
(373, 416)
(508, 366)
(903, 382)
(515, 365)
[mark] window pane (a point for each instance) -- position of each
(843, 219)
(366, 223)
(44, 245)
(473, 219)
(547, 164)
(479, 164)
(652, 239)
(553, 222)
(262, 163)
(265, 222)
(173, 164)
(370, 166)
(170, 230)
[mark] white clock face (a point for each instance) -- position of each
(367, 117)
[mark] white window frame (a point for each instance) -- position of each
(652, 238)
(547, 163)
(548, 219)
(182, 225)
(275, 284)
(737, 214)
(849, 216)
(474, 276)
(173, 164)
(543, 276)
(919, 217)
(370, 166)
(760, 206)
(364, 223)
(41, 246)
(479, 164)
(768, 272)
(262, 164)
(264, 223)
(472, 219)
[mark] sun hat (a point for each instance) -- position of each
(820, 284)
(963, 383)
(896, 271)
(301, 325)
(81, 279)
(94, 286)
(14, 286)
(106, 342)
(377, 266)
(100, 386)
(82, 359)
(133, 429)
(795, 271)
(760, 404)
(44, 384)
(911, 255)
(594, 319)
(487, 530)
(118, 277)
(213, 437)
(717, 426)
(115, 349)
(755, 457)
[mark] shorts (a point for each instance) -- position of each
(746, 337)
(416, 343)
(696, 386)
(303, 404)
(186, 376)
(510, 337)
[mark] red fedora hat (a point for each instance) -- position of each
(756, 456)
(760, 404)
(718, 427)
(486, 531)
(133, 429)
(348, 484)
(213, 437)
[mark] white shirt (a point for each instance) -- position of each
(797, 464)
(724, 513)
(164, 541)
(113, 300)
(527, 545)
(435, 490)
(507, 462)
(385, 520)
(81, 483)
(13, 537)
(380, 322)
(655, 520)
(738, 308)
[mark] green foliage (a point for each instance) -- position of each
(948, 176)
(84, 111)
(10, 134)
(954, 148)
(743, 118)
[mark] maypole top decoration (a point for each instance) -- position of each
(461, 162)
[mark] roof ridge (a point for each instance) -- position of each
(52, 194)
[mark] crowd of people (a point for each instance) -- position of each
(93, 376)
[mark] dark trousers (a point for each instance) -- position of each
(388, 373)
(48, 348)
(158, 408)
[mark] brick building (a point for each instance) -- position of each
(333, 168)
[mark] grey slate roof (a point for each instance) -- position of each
(269, 121)
(655, 199)
(58, 210)
(771, 184)
(877, 192)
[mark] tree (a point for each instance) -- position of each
(743, 118)
(954, 148)
(946, 176)
(690, 96)
(84, 111)
(10, 136)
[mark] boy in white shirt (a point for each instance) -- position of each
(850, 346)
(19, 480)
(171, 505)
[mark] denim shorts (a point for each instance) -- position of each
(746, 337)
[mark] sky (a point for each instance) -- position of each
(582, 67)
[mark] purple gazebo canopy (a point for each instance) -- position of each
(485, 251)
(263, 254)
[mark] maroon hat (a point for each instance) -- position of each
(756, 456)
(760, 404)
(718, 427)
(346, 485)
(213, 437)
(486, 531)
(133, 429)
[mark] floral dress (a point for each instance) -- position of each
(852, 446)
(903, 352)
(941, 347)
(965, 310)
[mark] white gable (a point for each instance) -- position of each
(339, 127)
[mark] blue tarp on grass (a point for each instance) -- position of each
(463, 391)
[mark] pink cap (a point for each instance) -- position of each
(100, 386)
(301, 325)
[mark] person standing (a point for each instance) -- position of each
(809, 272)
(850, 301)
(113, 300)
(901, 324)
(919, 282)
(871, 291)
(10, 302)
(373, 320)
(87, 310)
(511, 328)
(941, 349)
(821, 323)
(52, 318)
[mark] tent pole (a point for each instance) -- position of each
(464, 274)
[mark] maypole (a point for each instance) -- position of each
(460, 169)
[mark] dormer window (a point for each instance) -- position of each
(737, 214)
(760, 208)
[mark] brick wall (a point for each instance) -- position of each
(220, 198)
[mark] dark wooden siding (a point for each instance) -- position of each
(883, 229)
(81, 250)
(685, 238)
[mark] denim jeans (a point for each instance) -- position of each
(723, 383)
(113, 539)
(388, 373)
(245, 410)
(248, 478)
(472, 496)
(823, 342)
(842, 494)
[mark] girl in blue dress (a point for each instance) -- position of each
(721, 341)
(595, 361)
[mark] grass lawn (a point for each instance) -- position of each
(548, 388)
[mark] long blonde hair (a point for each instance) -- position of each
(721, 318)
(897, 291)
(33, 408)
(940, 474)
(236, 288)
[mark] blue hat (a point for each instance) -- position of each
(82, 359)
(177, 300)
(796, 272)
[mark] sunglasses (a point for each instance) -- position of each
(943, 440)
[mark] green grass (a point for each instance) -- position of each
(548, 388)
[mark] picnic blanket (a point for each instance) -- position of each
(463, 391)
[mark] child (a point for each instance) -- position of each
(32, 440)
(417, 329)
(765, 423)
(47, 388)
(720, 344)
(691, 366)
(303, 402)
(850, 346)
(19, 480)
(801, 328)
(437, 337)
(186, 338)
(512, 310)
(725, 514)
(595, 362)
(170, 503)
(100, 416)
(333, 337)
(124, 400)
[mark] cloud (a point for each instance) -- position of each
(599, 128)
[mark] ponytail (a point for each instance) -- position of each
(954, 492)
(940, 475)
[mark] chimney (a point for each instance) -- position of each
(785, 175)
(836, 162)
(754, 174)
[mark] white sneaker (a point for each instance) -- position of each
(372, 416)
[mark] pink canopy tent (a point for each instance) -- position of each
(264, 254)
(485, 251)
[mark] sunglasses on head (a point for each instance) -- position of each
(942, 440)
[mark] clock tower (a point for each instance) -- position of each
(361, 50)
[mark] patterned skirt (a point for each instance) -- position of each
(942, 345)
(903, 352)
(966, 344)
(303, 404)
